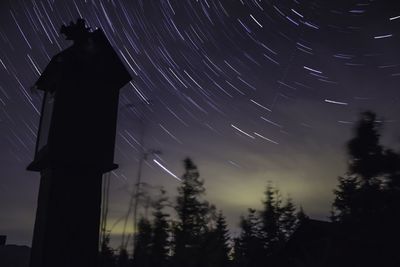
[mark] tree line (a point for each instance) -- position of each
(365, 213)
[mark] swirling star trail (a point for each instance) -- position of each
(252, 90)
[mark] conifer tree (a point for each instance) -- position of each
(160, 243)
(217, 247)
(249, 246)
(363, 204)
(364, 150)
(288, 219)
(301, 216)
(192, 212)
(392, 166)
(345, 201)
(270, 216)
(141, 254)
(358, 197)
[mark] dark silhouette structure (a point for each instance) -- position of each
(75, 146)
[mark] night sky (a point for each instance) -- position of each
(252, 90)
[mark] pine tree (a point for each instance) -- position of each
(301, 216)
(192, 211)
(288, 219)
(359, 197)
(249, 246)
(345, 201)
(160, 243)
(141, 254)
(363, 203)
(217, 247)
(271, 215)
(392, 166)
(392, 202)
(364, 150)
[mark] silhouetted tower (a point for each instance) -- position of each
(75, 147)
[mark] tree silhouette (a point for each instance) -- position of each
(264, 234)
(222, 247)
(357, 198)
(107, 257)
(199, 236)
(360, 194)
(271, 216)
(141, 255)
(301, 216)
(160, 240)
(288, 219)
(345, 201)
(364, 150)
(249, 246)
(392, 166)
(216, 247)
(366, 203)
(192, 211)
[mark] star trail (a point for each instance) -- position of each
(252, 90)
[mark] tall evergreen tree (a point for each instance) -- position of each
(301, 216)
(141, 254)
(345, 201)
(288, 219)
(359, 194)
(217, 246)
(192, 211)
(249, 246)
(364, 150)
(392, 165)
(363, 203)
(160, 243)
(271, 215)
